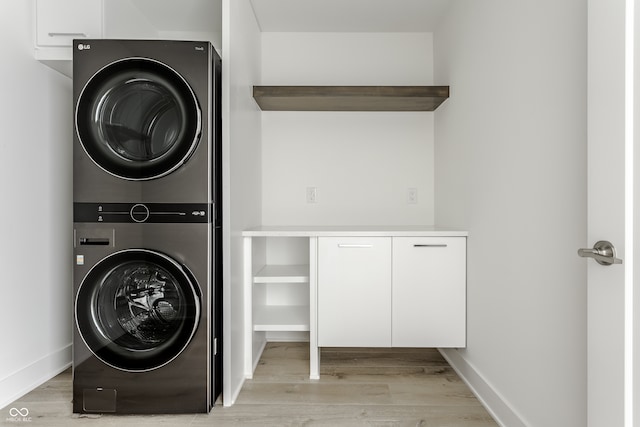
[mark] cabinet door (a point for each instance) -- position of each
(429, 292)
(354, 292)
(58, 22)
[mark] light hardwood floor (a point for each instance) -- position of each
(358, 387)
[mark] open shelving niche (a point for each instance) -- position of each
(278, 317)
(279, 293)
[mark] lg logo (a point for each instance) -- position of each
(84, 46)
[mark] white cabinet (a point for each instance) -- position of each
(354, 292)
(392, 292)
(58, 22)
(429, 292)
(362, 287)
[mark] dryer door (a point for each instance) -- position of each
(138, 119)
(137, 310)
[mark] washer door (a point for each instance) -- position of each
(137, 310)
(138, 119)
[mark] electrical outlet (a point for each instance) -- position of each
(312, 194)
(412, 196)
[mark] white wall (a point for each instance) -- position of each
(122, 19)
(241, 153)
(361, 163)
(510, 159)
(35, 219)
(166, 19)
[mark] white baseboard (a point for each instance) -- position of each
(31, 376)
(493, 401)
(256, 360)
(231, 399)
(287, 336)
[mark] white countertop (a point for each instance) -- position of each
(354, 231)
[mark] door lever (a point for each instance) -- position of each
(603, 252)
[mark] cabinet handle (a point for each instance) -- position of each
(430, 246)
(346, 245)
(66, 34)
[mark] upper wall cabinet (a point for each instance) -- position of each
(58, 22)
(350, 98)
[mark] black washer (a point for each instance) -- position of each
(137, 310)
(138, 119)
(139, 213)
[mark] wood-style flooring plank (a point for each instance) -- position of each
(346, 415)
(357, 387)
(318, 393)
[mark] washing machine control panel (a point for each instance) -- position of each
(139, 212)
(143, 212)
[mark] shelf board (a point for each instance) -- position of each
(58, 58)
(350, 98)
(281, 318)
(282, 274)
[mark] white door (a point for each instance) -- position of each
(610, 214)
(354, 291)
(428, 292)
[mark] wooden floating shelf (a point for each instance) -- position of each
(350, 98)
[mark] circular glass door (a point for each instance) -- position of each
(137, 310)
(138, 119)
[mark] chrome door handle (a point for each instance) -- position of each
(603, 252)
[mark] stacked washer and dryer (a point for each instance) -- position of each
(147, 221)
